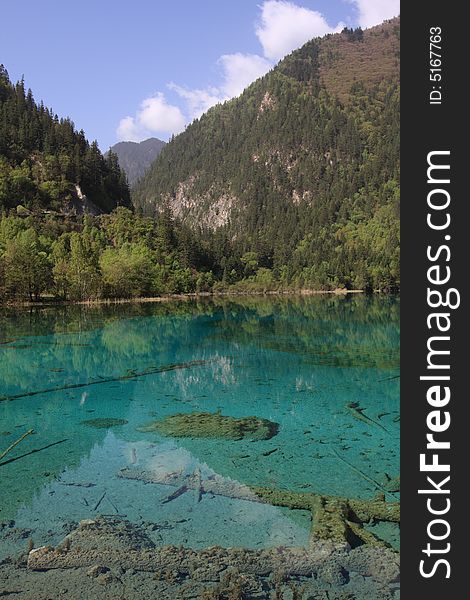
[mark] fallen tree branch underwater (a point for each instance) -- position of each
(5, 452)
(375, 483)
(133, 375)
(334, 518)
(10, 460)
(357, 413)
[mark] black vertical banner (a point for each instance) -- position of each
(434, 320)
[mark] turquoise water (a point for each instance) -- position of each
(296, 361)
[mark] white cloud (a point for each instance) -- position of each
(284, 26)
(197, 101)
(129, 131)
(373, 12)
(155, 116)
(239, 70)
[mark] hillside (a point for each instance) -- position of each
(46, 164)
(300, 173)
(135, 158)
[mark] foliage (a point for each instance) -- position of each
(309, 156)
(43, 159)
(119, 255)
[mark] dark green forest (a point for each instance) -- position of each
(43, 158)
(292, 185)
(300, 171)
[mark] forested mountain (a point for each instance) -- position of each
(46, 164)
(135, 158)
(297, 179)
(294, 184)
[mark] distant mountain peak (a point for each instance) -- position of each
(136, 157)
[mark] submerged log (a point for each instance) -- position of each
(215, 484)
(15, 443)
(179, 492)
(213, 425)
(10, 460)
(336, 519)
(133, 375)
(358, 413)
(376, 484)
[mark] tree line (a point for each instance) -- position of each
(124, 255)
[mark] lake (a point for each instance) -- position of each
(92, 382)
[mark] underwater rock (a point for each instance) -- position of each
(375, 562)
(214, 425)
(104, 423)
(97, 570)
(323, 571)
(333, 573)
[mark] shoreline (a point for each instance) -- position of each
(109, 557)
(169, 297)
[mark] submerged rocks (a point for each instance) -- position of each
(96, 570)
(131, 567)
(214, 425)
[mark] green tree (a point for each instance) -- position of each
(83, 275)
(127, 271)
(27, 270)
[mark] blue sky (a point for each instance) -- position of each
(131, 69)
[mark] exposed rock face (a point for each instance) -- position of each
(81, 205)
(212, 210)
(267, 103)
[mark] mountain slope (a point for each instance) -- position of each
(302, 169)
(135, 158)
(45, 163)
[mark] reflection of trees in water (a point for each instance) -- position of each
(104, 340)
(74, 318)
(352, 331)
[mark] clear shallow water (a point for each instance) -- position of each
(295, 361)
